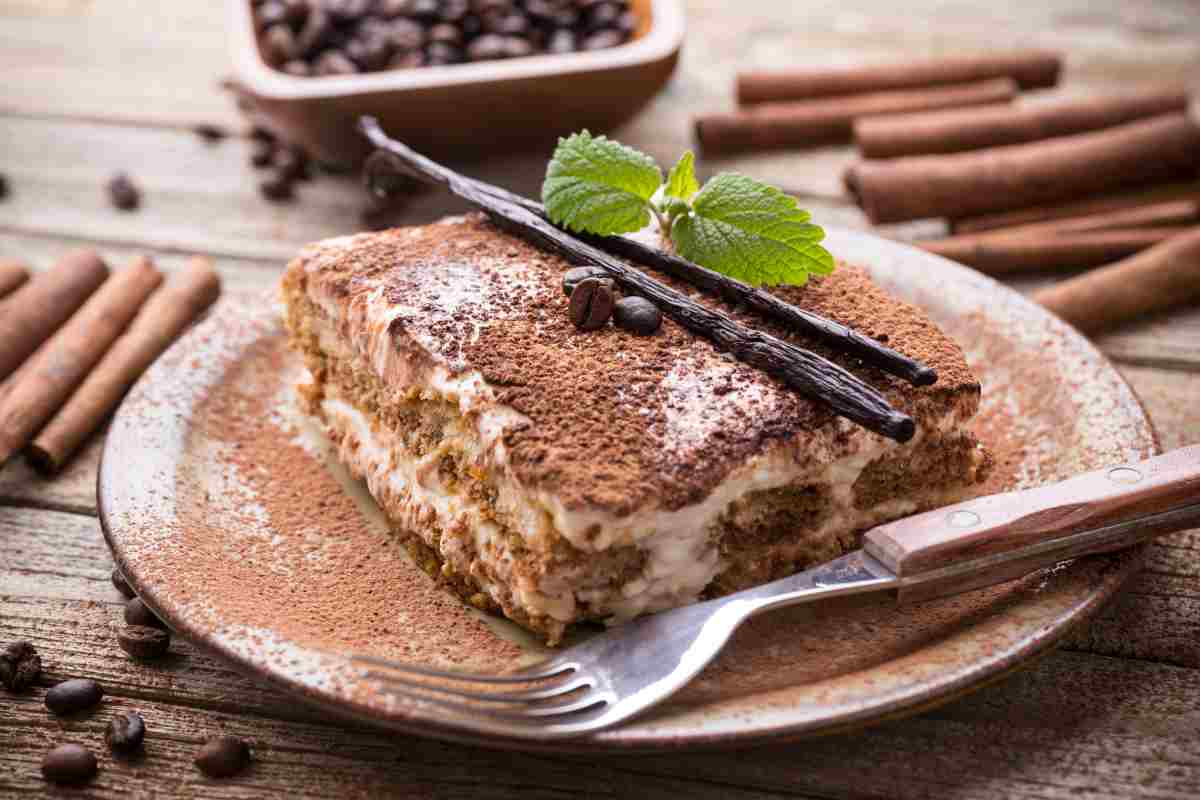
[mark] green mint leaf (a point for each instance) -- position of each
(681, 182)
(596, 185)
(751, 231)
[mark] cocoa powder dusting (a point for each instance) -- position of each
(619, 421)
(314, 535)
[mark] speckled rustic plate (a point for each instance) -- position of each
(228, 515)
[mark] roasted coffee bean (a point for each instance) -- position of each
(277, 189)
(591, 304)
(315, 33)
(442, 53)
(297, 10)
(517, 47)
(426, 10)
(123, 194)
(73, 695)
(271, 13)
(335, 62)
(562, 41)
(292, 163)
(390, 9)
(119, 582)
(542, 11)
(603, 15)
(602, 40)
(223, 756)
(126, 732)
(136, 613)
(573, 277)
(20, 666)
(298, 68)
(279, 45)
(506, 24)
(486, 47)
(454, 10)
(483, 7)
(211, 134)
(344, 11)
(69, 764)
(262, 154)
(370, 53)
(143, 642)
(407, 60)
(637, 314)
(260, 134)
(444, 32)
(404, 34)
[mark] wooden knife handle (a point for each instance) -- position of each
(1005, 535)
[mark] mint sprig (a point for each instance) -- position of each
(596, 185)
(734, 225)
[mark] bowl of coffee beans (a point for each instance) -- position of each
(451, 77)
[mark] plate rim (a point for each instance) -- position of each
(922, 697)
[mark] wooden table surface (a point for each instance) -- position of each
(88, 88)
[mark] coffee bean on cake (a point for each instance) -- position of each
(637, 314)
(591, 304)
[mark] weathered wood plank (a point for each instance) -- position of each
(50, 64)
(1039, 734)
(308, 759)
(149, 63)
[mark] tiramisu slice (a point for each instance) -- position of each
(560, 476)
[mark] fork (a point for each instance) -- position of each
(616, 675)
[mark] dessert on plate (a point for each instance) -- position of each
(558, 476)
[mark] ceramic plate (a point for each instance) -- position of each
(228, 515)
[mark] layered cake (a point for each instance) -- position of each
(557, 476)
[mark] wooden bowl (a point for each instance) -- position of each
(461, 109)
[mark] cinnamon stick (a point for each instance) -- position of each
(62, 363)
(1184, 190)
(1030, 69)
(824, 120)
(29, 315)
(963, 247)
(1013, 176)
(12, 275)
(956, 130)
(1002, 255)
(1163, 277)
(168, 312)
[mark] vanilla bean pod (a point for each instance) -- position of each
(801, 370)
(838, 336)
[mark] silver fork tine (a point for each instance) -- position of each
(551, 669)
(590, 700)
(519, 696)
